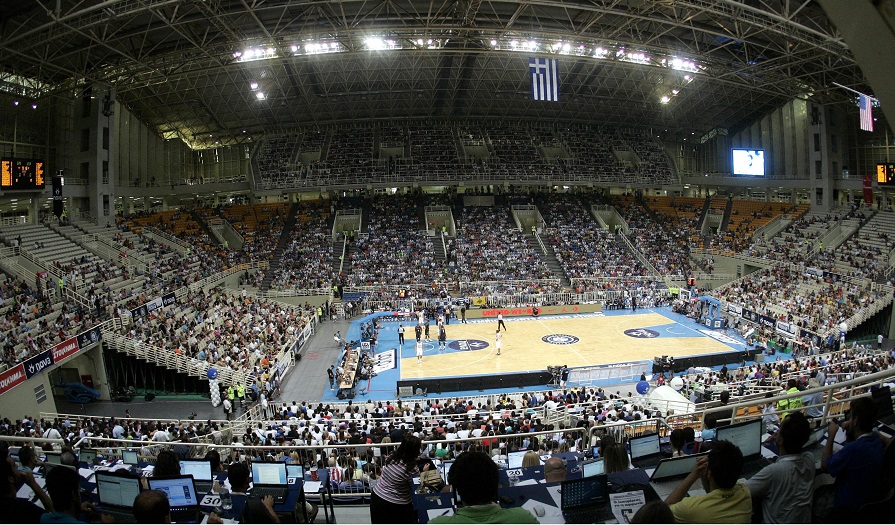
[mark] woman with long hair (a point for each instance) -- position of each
(392, 499)
(615, 458)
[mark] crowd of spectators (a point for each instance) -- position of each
(490, 248)
(457, 152)
(225, 330)
(307, 259)
(809, 301)
(667, 249)
(582, 247)
(395, 247)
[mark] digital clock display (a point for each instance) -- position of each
(885, 174)
(22, 174)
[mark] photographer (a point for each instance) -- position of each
(392, 499)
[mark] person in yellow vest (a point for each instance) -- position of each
(534, 229)
(241, 394)
(784, 406)
(231, 394)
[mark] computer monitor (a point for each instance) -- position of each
(445, 469)
(670, 468)
(592, 468)
(130, 457)
(87, 455)
(114, 489)
(514, 459)
(181, 490)
(268, 473)
(200, 469)
(746, 436)
(643, 446)
(295, 471)
(53, 458)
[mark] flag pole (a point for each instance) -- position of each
(855, 91)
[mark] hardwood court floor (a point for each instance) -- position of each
(601, 340)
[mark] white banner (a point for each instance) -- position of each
(385, 361)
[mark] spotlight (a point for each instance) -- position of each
(15, 102)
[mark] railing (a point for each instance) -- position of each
(836, 396)
(291, 292)
(523, 283)
(167, 237)
(13, 221)
(168, 358)
(640, 257)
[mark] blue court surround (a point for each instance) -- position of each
(384, 385)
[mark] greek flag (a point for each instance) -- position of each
(544, 78)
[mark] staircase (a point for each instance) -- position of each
(549, 258)
(338, 246)
(440, 249)
(726, 218)
(204, 226)
(282, 244)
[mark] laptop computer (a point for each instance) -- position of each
(593, 467)
(746, 436)
(295, 474)
(130, 457)
(87, 455)
(445, 468)
(514, 459)
(115, 494)
(646, 450)
(665, 477)
(882, 397)
(586, 500)
(182, 497)
(53, 458)
(200, 469)
(269, 479)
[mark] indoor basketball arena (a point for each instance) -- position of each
(465, 262)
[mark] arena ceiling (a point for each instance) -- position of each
(194, 69)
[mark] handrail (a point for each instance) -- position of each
(168, 237)
(831, 390)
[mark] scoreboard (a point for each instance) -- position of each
(21, 174)
(885, 174)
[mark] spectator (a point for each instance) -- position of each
(152, 506)
(256, 511)
(785, 486)
(677, 440)
(816, 398)
(63, 484)
(725, 501)
(16, 510)
(474, 477)
(785, 405)
(392, 499)
(712, 419)
(857, 467)
(653, 512)
(531, 459)
(615, 458)
(166, 464)
(554, 470)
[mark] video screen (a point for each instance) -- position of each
(748, 162)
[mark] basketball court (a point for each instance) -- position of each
(532, 344)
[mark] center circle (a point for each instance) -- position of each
(641, 333)
(560, 339)
(468, 344)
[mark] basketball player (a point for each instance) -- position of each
(419, 352)
(497, 340)
(442, 338)
(500, 322)
(419, 332)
